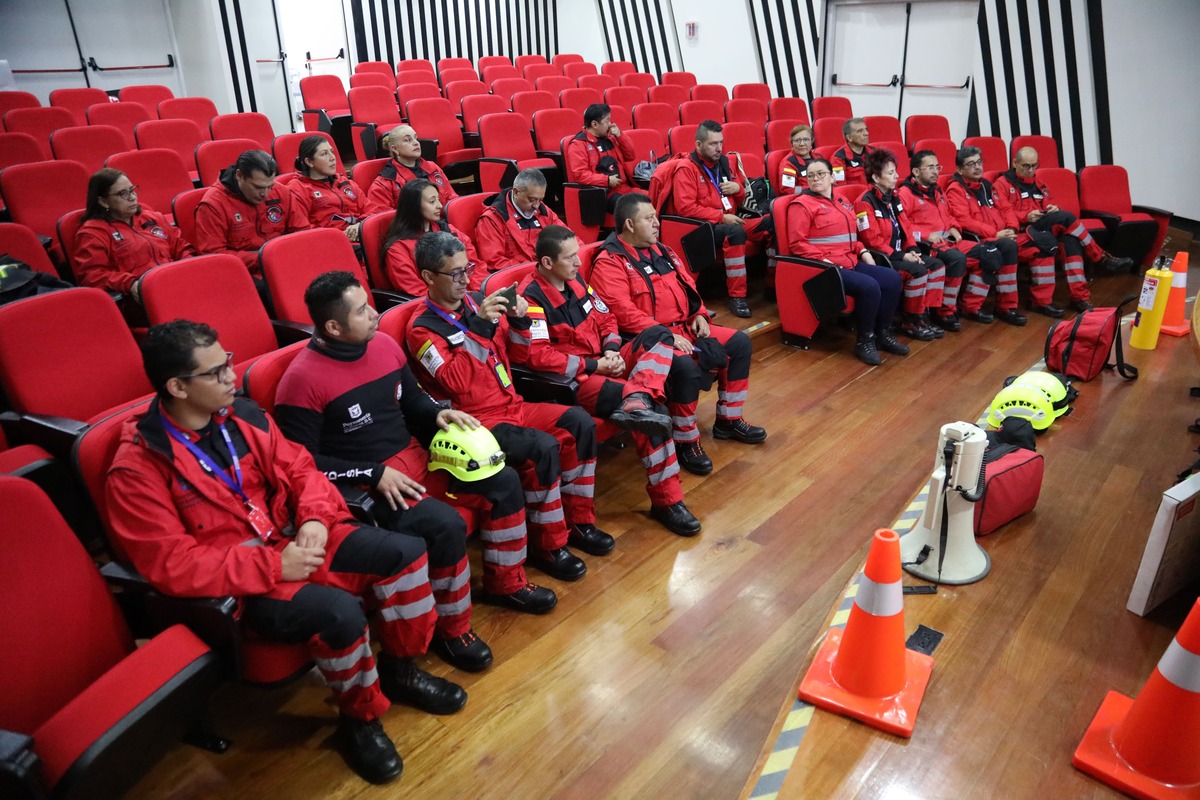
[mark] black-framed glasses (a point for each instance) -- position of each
(974, 162)
(816, 176)
(125, 194)
(215, 372)
(459, 274)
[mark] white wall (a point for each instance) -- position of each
(580, 30)
(1152, 78)
(723, 52)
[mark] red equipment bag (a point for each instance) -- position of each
(1080, 348)
(1012, 484)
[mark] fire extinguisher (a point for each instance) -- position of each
(1156, 289)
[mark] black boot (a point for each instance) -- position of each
(890, 344)
(864, 350)
(402, 681)
(368, 750)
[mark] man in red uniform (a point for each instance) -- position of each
(572, 333)
(645, 284)
(402, 144)
(849, 159)
(246, 209)
(1026, 202)
(208, 499)
(600, 156)
(507, 230)
(706, 188)
(461, 342)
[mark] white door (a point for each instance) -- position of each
(128, 48)
(866, 56)
(267, 79)
(36, 40)
(943, 42)
(314, 37)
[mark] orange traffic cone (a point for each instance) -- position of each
(865, 672)
(1174, 322)
(1150, 747)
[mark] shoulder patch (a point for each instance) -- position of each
(538, 329)
(430, 358)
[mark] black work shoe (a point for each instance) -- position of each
(914, 327)
(637, 413)
(368, 750)
(1054, 312)
(467, 652)
(739, 430)
(981, 316)
(866, 352)
(559, 563)
(739, 307)
(1081, 305)
(676, 518)
(1114, 264)
(1012, 317)
(530, 598)
(691, 456)
(590, 539)
(402, 681)
(938, 333)
(890, 344)
(947, 322)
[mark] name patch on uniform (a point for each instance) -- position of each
(788, 180)
(430, 358)
(587, 306)
(839, 173)
(456, 338)
(237, 217)
(274, 214)
(863, 221)
(117, 236)
(538, 329)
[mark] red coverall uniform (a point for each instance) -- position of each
(226, 223)
(190, 535)
(385, 190)
(592, 160)
(694, 194)
(335, 202)
(848, 166)
(1016, 199)
(793, 174)
(973, 205)
(644, 288)
(400, 266)
(552, 447)
(929, 214)
(504, 236)
(111, 255)
(883, 225)
(569, 330)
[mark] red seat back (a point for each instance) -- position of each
(925, 126)
(682, 138)
(993, 150)
(827, 131)
(532, 72)
(506, 136)
(493, 61)
(463, 211)
(579, 99)
(599, 82)
(693, 112)
(122, 116)
(416, 64)
(944, 149)
(550, 125)
(290, 263)
(747, 109)
(373, 104)
(621, 116)
(67, 227)
(838, 107)
(249, 125)
(685, 79)
(779, 133)
(38, 194)
(671, 94)
(527, 103)
(13, 99)
(286, 147)
(159, 174)
(1063, 187)
(77, 100)
(715, 92)
(1046, 147)
(529, 59)
(148, 94)
(628, 96)
(745, 137)
(412, 91)
(497, 71)
(87, 144)
(434, 118)
(475, 106)
(562, 59)
(577, 69)
(23, 244)
(213, 157)
(790, 108)
(181, 135)
(394, 322)
(361, 79)
(325, 92)
(884, 128)
(262, 378)
(199, 110)
(656, 116)
(39, 123)
(454, 62)
(365, 172)
(851, 194)
(183, 208)
(648, 144)
(1105, 187)
(752, 91)
(617, 68)
(372, 234)
(449, 76)
(507, 87)
(457, 91)
(375, 67)
(18, 148)
(642, 80)
(554, 84)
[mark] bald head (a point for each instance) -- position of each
(1025, 161)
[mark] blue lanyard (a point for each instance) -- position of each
(207, 463)
(497, 367)
(713, 174)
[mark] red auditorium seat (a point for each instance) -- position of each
(554, 84)
(1046, 147)
(371, 235)
(77, 100)
(324, 99)
(456, 91)
(507, 87)
(286, 148)
(213, 157)
(87, 144)
(809, 292)
(493, 61)
(526, 60)
(532, 72)
(993, 150)
(693, 112)
(685, 79)
(565, 58)
(123, 116)
(376, 68)
(13, 99)
(599, 82)
(1135, 231)
(412, 91)
(747, 109)
(627, 96)
(508, 137)
(24, 187)
(885, 129)
(617, 68)
(459, 74)
(578, 69)
(475, 106)
(642, 80)
(39, 123)
(454, 62)
(374, 112)
(579, 99)
(753, 91)
(836, 107)
(715, 92)
(247, 125)
(199, 110)
(148, 94)
(436, 119)
(529, 102)
(159, 174)
(788, 108)
(551, 125)
(925, 126)
(290, 263)
(827, 132)
(183, 208)
(180, 135)
(656, 116)
(497, 71)
(682, 138)
(671, 94)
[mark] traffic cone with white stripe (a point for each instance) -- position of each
(1149, 747)
(865, 671)
(1175, 322)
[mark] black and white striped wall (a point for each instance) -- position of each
(787, 35)
(641, 31)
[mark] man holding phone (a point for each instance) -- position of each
(599, 156)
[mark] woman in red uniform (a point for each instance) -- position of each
(418, 211)
(824, 228)
(120, 239)
(327, 198)
(792, 170)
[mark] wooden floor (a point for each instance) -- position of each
(664, 672)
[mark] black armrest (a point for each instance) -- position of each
(19, 767)
(471, 139)
(291, 332)
(968, 236)
(593, 202)
(368, 140)
(47, 241)
(361, 504)
(429, 148)
(56, 434)
(1154, 212)
(388, 298)
(544, 387)
(807, 262)
(557, 157)
(324, 124)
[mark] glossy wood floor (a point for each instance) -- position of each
(664, 672)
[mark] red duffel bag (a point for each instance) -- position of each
(1013, 482)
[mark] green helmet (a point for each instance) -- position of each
(469, 455)
(1022, 401)
(1058, 391)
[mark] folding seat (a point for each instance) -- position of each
(454, 62)
(1135, 231)
(579, 99)
(213, 157)
(671, 94)
(38, 194)
(39, 123)
(14, 99)
(682, 138)
(599, 82)
(372, 235)
(528, 59)
(436, 122)
(247, 125)
(566, 58)
(374, 112)
(747, 109)
(377, 67)
(779, 133)
(65, 230)
(493, 61)
(87, 144)
(290, 263)
(788, 108)
(416, 65)
(159, 174)
(628, 96)
(693, 112)
(420, 75)
(286, 147)
(477, 105)
(944, 149)
(457, 74)
(325, 100)
(508, 138)
(884, 129)
(529, 102)
(578, 69)
(24, 245)
(1046, 147)
(552, 125)
(456, 91)
(685, 79)
(897, 149)
(464, 211)
(495, 72)
(199, 110)
(18, 148)
(507, 87)
(649, 144)
(709, 91)
(745, 137)
(1064, 193)
(77, 100)
(809, 292)
(183, 208)
(554, 84)
(90, 724)
(261, 380)
(656, 116)
(925, 126)
(43, 366)
(180, 135)
(148, 94)
(621, 116)
(617, 68)
(827, 132)
(775, 157)
(752, 91)
(413, 91)
(365, 172)
(123, 116)
(993, 149)
(531, 72)
(361, 79)
(836, 107)
(642, 80)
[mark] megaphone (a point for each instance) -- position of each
(947, 525)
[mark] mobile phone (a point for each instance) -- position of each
(510, 295)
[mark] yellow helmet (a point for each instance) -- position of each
(467, 454)
(1022, 401)
(1057, 391)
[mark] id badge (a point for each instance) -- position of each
(725, 204)
(258, 520)
(502, 374)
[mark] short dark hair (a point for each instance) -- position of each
(433, 247)
(819, 160)
(99, 185)
(965, 152)
(308, 149)
(326, 297)
(849, 124)
(705, 128)
(256, 161)
(550, 242)
(876, 161)
(169, 350)
(920, 156)
(595, 112)
(627, 209)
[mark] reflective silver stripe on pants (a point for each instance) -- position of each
(452, 609)
(650, 365)
(407, 610)
(402, 583)
(347, 661)
(670, 471)
(504, 558)
(546, 517)
(452, 583)
(360, 680)
(503, 534)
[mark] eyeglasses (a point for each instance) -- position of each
(458, 275)
(934, 167)
(215, 372)
(125, 194)
(816, 175)
(801, 139)
(974, 162)
(1026, 167)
